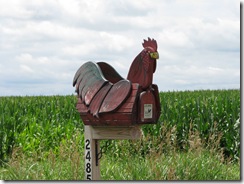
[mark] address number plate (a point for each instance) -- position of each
(88, 166)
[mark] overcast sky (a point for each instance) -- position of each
(44, 42)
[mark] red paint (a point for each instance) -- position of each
(142, 68)
(105, 98)
(118, 93)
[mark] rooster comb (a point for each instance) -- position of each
(150, 43)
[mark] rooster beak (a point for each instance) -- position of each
(154, 55)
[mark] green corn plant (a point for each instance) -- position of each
(44, 122)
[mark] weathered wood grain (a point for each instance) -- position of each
(123, 132)
(117, 95)
(106, 98)
(109, 72)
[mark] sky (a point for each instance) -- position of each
(44, 42)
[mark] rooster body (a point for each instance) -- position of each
(106, 98)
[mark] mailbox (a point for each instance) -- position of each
(107, 99)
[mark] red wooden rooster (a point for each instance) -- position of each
(106, 98)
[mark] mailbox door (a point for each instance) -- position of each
(147, 108)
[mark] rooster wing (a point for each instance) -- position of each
(96, 92)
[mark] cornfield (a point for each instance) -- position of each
(211, 113)
(43, 123)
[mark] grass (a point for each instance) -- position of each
(66, 165)
(197, 138)
(198, 163)
(175, 166)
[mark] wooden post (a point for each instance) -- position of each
(122, 103)
(92, 169)
(92, 136)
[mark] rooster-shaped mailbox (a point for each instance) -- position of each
(107, 99)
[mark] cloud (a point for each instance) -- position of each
(44, 42)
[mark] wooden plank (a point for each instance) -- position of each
(93, 135)
(111, 116)
(109, 72)
(92, 165)
(98, 99)
(123, 132)
(81, 105)
(127, 105)
(124, 110)
(117, 116)
(81, 108)
(93, 89)
(131, 99)
(128, 119)
(109, 123)
(134, 91)
(116, 96)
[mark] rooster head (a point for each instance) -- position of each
(144, 65)
(151, 47)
